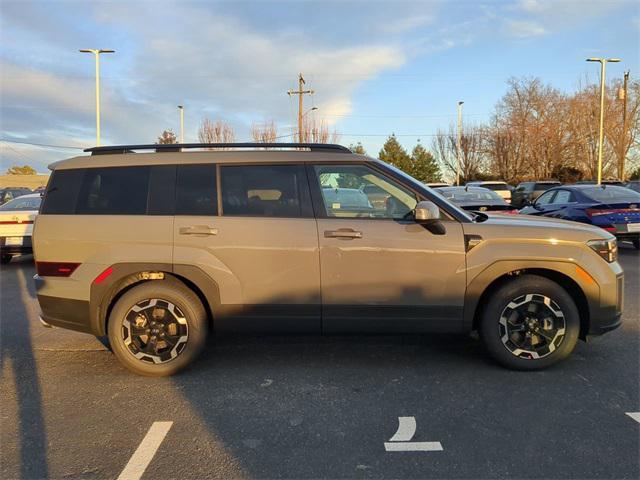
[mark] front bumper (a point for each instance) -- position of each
(609, 316)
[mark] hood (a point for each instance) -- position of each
(530, 228)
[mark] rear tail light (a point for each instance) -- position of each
(56, 269)
(594, 212)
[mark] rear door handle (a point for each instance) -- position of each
(346, 233)
(198, 230)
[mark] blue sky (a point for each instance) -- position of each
(376, 67)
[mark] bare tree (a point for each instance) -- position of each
(472, 159)
(266, 132)
(318, 132)
(215, 132)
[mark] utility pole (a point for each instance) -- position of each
(300, 92)
(603, 69)
(96, 53)
(181, 108)
(623, 140)
(459, 144)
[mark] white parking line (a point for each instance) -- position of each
(635, 416)
(401, 441)
(145, 451)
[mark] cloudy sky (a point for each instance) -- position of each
(376, 67)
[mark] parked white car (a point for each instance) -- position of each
(501, 188)
(16, 225)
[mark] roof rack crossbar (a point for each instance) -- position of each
(176, 147)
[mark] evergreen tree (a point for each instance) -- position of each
(392, 152)
(357, 149)
(424, 167)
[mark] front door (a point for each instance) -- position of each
(257, 239)
(380, 271)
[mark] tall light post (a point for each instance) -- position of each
(459, 143)
(603, 69)
(96, 54)
(181, 108)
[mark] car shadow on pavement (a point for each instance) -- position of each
(18, 359)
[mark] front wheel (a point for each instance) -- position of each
(5, 258)
(157, 328)
(530, 323)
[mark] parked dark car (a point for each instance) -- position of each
(476, 199)
(613, 208)
(527, 192)
(10, 193)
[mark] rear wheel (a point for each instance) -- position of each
(636, 243)
(530, 323)
(5, 258)
(157, 328)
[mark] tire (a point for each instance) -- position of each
(5, 258)
(636, 243)
(529, 323)
(180, 327)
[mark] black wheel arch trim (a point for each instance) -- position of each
(126, 275)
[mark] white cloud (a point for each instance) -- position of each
(406, 24)
(524, 28)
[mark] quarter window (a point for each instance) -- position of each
(357, 191)
(264, 191)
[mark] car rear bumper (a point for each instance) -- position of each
(24, 247)
(63, 312)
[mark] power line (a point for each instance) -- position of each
(40, 144)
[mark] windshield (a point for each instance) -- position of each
(612, 194)
(420, 185)
(23, 203)
(495, 186)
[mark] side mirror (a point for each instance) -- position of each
(426, 212)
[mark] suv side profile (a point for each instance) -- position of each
(158, 250)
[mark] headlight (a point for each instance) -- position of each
(607, 249)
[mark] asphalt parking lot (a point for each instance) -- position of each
(304, 407)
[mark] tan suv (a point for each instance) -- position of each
(158, 250)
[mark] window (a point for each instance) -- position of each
(114, 191)
(265, 191)
(162, 190)
(563, 196)
(196, 192)
(22, 203)
(62, 192)
(545, 198)
(612, 194)
(357, 191)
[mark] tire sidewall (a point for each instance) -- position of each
(185, 300)
(489, 326)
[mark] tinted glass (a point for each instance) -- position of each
(545, 198)
(563, 196)
(264, 191)
(62, 192)
(347, 192)
(472, 194)
(545, 186)
(196, 190)
(162, 190)
(114, 191)
(612, 194)
(494, 186)
(22, 203)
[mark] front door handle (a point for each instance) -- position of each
(345, 233)
(198, 230)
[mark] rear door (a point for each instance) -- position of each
(380, 271)
(251, 229)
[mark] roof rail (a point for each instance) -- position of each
(176, 147)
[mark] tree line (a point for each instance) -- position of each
(535, 132)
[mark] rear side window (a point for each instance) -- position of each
(62, 192)
(114, 191)
(196, 192)
(265, 191)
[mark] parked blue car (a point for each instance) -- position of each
(613, 208)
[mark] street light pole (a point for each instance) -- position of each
(181, 108)
(459, 144)
(96, 53)
(603, 68)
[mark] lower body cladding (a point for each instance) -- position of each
(83, 316)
